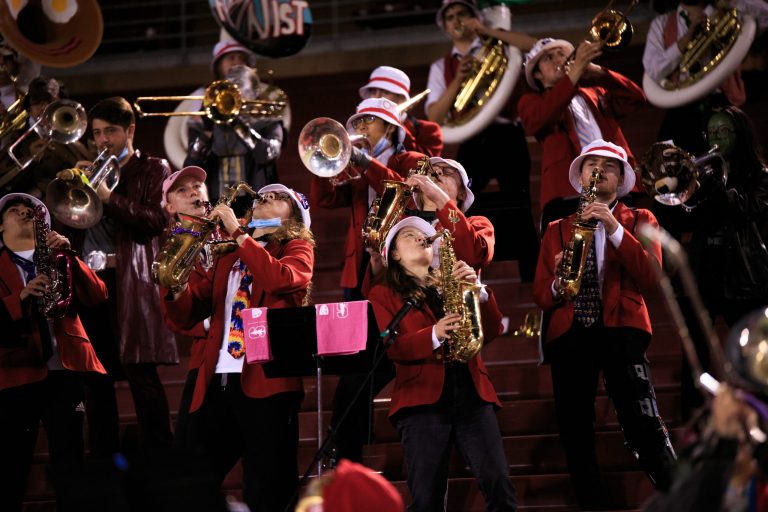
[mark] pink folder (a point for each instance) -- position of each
(256, 336)
(342, 327)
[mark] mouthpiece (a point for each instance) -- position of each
(431, 239)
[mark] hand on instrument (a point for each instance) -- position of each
(476, 26)
(35, 288)
(227, 217)
(696, 20)
(446, 325)
(601, 212)
(558, 259)
(103, 192)
(429, 190)
(464, 69)
(463, 272)
(57, 241)
(585, 54)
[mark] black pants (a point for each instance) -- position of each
(428, 436)
(263, 432)
(57, 402)
(576, 360)
(151, 404)
(181, 432)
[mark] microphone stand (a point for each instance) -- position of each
(385, 338)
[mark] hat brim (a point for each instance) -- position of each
(413, 222)
(530, 66)
(388, 120)
(574, 173)
(384, 86)
(469, 197)
(32, 199)
(279, 187)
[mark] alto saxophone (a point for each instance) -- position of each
(571, 268)
(187, 240)
(387, 209)
(464, 299)
(54, 263)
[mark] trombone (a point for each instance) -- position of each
(222, 101)
(609, 27)
(72, 198)
(62, 121)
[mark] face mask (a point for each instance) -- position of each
(275, 222)
(123, 154)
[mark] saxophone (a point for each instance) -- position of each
(571, 268)
(187, 239)
(462, 298)
(387, 209)
(54, 263)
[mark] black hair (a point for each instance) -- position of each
(115, 110)
(746, 158)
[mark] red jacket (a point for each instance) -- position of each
(21, 365)
(281, 276)
(546, 116)
(423, 136)
(473, 236)
(626, 271)
(355, 194)
(420, 373)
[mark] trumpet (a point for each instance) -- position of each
(62, 121)
(325, 148)
(72, 196)
(222, 101)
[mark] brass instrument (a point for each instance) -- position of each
(62, 121)
(72, 196)
(387, 209)
(671, 175)
(222, 103)
(54, 263)
(464, 299)
(325, 148)
(612, 28)
(571, 268)
(187, 239)
(488, 68)
(13, 119)
(530, 327)
(714, 52)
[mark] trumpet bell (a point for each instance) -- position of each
(612, 28)
(325, 147)
(73, 203)
(65, 121)
(747, 351)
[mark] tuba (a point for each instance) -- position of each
(486, 90)
(387, 209)
(188, 238)
(671, 175)
(54, 263)
(72, 197)
(571, 268)
(713, 54)
(62, 121)
(464, 299)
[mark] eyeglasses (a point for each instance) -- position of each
(367, 119)
(720, 131)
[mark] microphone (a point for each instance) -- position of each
(391, 329)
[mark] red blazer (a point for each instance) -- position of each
(355, 194)
(423, 136)
(281, 276)
(626, 271)
(546, 116)
(473, 236)
(21, 365)
(420, 373)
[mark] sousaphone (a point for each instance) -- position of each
(58, 34)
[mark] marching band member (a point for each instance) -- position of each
(236, 411)
(573, 104)
(437, 403)
(184, 192)
(606, 327)
(393, 84)
(41, 359)
(128, 331)
(447, 199)
(230, 157)
(379, 120)
(462, 23)
(668, 35)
